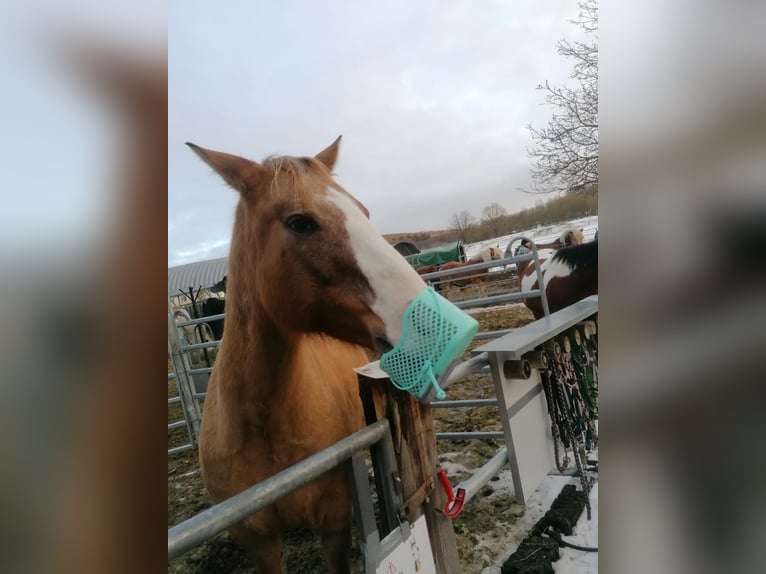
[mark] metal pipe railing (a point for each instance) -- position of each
(469, 435)
(201, 320)
(215, 519)
(465, 403)
(482, 476)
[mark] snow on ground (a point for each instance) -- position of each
(539, 235)
(585, 532)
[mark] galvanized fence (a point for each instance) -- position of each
(192, 363)
(518, 392)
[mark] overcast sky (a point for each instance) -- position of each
(432, 99)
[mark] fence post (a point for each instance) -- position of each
(184, 381)
(414, 439)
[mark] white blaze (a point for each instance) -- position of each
(550, 269)
(394, 282)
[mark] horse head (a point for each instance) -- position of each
(571, 236)
(309, 258)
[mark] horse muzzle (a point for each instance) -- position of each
(435, 333)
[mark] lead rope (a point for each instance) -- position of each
(577, 450)
(547, 387)
(579, 406)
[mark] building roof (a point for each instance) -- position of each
(196, 275)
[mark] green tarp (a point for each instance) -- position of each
(437, 255)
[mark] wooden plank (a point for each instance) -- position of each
(414, 439)
(526, 338)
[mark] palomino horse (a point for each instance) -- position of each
(470, 277)
(310, 284)
(569, 275)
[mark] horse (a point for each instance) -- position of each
(192, 334)
(311, 287)
(467, 278)
(569, 237)
(568, 276)
(214, 306)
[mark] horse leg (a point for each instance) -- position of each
(265, 551)
(336, 546)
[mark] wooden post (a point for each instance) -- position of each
(412, 430)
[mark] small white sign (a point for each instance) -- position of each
(413, 556)
(372, 371)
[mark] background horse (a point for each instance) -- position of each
(568, 276)
(569, 237)
(190, 335)
(283, 387)
(475, 277)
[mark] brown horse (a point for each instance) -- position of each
(310, 284)
(569, 275)
(461, 280)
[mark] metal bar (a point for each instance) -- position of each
(200, 396)
(491, 334)
(364, 513)
(524, 400)
(201, 370)
(469, 367)
(179, 449)
(496, 299)
(469, 435)
(171, 376)
(386, 474)
(201, 320)
(518, 342)
(210, 522)
(466, 403)
(184, 387)
(199, 345)
(176, 425)
(480, 266)
(174, 400)
(482, 476)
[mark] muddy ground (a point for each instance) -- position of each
(488, 517)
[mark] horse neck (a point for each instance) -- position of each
(254, 352)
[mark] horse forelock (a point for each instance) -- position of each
(299, 168)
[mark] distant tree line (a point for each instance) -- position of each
(495, 222)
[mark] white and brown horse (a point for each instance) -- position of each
(467, 278)
(310, 285)
(569, 275)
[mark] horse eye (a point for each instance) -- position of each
(302, 224)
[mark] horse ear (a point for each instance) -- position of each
(240, 173)
(329, 155)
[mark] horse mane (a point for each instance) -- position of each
(578, 256)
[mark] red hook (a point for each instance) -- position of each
(454, 503)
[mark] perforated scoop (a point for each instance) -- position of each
(435, 333)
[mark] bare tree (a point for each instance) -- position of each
(493, 216)
(565, 153)
(461, 223)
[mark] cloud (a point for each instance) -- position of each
(432, 101)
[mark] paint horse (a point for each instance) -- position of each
(283, 387)
(569, 275)
(467, 278)
(570, 236)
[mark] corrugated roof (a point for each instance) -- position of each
(195, 275)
